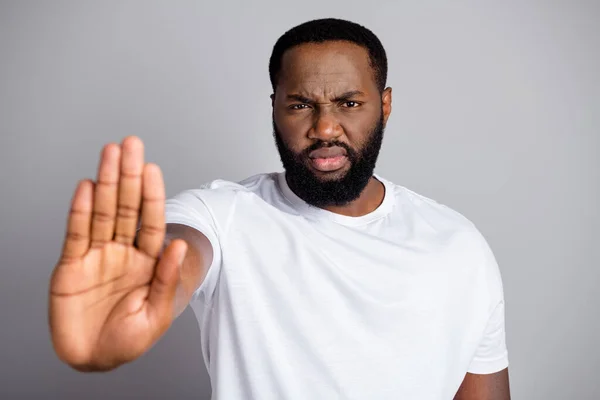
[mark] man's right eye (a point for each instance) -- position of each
(298, 106)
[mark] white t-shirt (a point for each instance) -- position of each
(302, 303)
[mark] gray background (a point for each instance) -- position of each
(496, 114)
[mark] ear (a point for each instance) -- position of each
(386, 103)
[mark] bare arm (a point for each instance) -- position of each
(195, 266)
(485, 387)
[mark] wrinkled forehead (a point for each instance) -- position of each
(326, 69)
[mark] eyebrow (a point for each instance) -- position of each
(343, 97)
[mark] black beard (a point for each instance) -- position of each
(336, 192)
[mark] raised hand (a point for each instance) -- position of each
(111, 301)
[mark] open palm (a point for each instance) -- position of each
(110, 300)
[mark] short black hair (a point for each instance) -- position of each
(331, 29)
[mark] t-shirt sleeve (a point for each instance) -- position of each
(492, 355)
(190, 208)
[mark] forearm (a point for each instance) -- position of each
(189, 281)
(195, 265)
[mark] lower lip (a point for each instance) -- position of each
(328, 164)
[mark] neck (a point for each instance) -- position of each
(368, 201)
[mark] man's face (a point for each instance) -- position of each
(328, 121)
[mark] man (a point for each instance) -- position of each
(326, 281)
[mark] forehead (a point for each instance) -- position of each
(326, 67)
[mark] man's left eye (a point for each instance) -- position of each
(351, 104)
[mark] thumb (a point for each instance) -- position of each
(161, 298)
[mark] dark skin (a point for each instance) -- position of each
(485, 387)
(327, 92)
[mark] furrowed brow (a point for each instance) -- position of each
(299, 98)
(343, 97)
(348, 95)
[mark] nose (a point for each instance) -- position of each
(326, 127)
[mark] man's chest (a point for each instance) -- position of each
(354, 311)
(350, 285)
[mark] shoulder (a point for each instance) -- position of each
(213, 203)
(448, 228)
(445, 220)
(222, 188)
(220, 195)
(424, 210)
